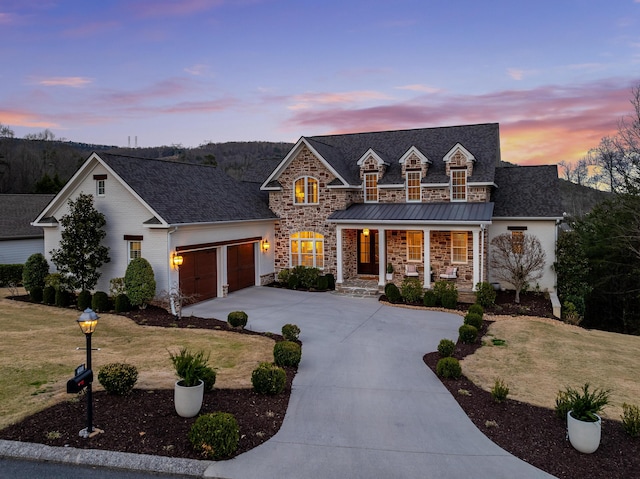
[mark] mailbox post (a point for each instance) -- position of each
(87, 322)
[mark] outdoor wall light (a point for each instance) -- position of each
(365, 231)
(265, 245)
(177, 260)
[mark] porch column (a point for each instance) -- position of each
(426, 234)
(223, 284)
(339, 278)
(382, 256)
(476, 258)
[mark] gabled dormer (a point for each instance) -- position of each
(414, 166)
(459, 167)
(372, 168)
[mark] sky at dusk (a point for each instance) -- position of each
(557, 75)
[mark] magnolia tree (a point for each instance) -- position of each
(517, 261)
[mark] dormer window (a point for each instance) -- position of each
(459, 184)
(371, 187)
(306, 191)
(413, 186)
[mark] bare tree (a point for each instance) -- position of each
(612, 164)
(6, 131)
(175, 299)
(576, 172)
(518, 260)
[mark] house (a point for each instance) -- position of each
(18, 239)
(425, 200)
(217, 227)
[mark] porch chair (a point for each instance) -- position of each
(411, 270)
(450, 273)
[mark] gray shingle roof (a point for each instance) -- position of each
(343, 151)
(527, 191)
(418, 212)
(17, 211)
(183, 193)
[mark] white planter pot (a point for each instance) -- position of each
(584, 436)
(188, 400)
(389, 276)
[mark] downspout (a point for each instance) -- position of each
(173, 306)
(482, 228)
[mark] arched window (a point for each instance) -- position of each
(307, 249)
(305, 191)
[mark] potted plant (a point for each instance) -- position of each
(189, 389)
(583, 422)
(389, 272)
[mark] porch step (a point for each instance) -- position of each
(466, 297)
(358, 288)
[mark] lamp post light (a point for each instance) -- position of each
(88, 321)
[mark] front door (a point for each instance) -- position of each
(368, 252)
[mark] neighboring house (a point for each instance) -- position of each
(423, 200)
(18, 239)
(160, 209)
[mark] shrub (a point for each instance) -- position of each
(10, 274)
(118, 378)
(449, 299)
(53, 279)
(468, 334)
(477, 309)
(63, 298)
(293, 282)
(500, 391)
(307, 277)
(122, 303)
(215, 435)
(237, 319)
(331, 281)
(49, 295)
(392, 293)
(100, 302)
(84, 300)
(449, 368)
(563, 405)
(323, 283)
(485, 294)
(116, 287)
(290, 332)
(208, 375)
(287, 353)
(429, 299)
(583, 404)
(411, 290)
(631, 419)
(570, 314)
(474, 320)
(36, 294)
(446, 347)
(283, 275)
(189, 366)
(268, 379)
(140, 282)
(35, 270)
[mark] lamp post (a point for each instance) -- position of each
(88, 321)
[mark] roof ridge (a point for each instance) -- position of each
(403, 130)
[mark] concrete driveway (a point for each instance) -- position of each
(364, 404)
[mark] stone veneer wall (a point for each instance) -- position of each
(475, 194)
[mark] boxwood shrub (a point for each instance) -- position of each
(429, 299)
(100, 302)
(122, 303)
(36, 294)
(290, 332)
(474, 320)
(287, 353)
(118, 378)
(84, 300)
(215, 435)
(448, 368)
(49, 295)
(468, 334)
(446, 347)
(268, 379)
(411, 290)
(392, 293)
(237, 319)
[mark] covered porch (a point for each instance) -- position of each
(418, 240)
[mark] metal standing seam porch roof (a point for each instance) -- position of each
(435, 213)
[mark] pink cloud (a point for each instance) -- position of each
(74, 82)
(542, 125)
(24, 118)
(307, 100)
(168, 8)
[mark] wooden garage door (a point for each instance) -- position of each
(241, 272)
(198, 274)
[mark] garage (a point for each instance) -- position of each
(241, 272)
(198, 274)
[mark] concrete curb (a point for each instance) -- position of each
(110, 459)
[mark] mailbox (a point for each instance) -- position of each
(80, 381)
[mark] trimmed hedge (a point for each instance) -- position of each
(215, 435)
(468, 334)
(118, 378)
(268, 379)
(237, 319)
(449, 368)
(100, 302)
(287, 353)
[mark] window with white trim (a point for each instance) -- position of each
(100, 187)
(459, 185)
(305, 191)
(371, 187)
(413, 186)
(307, 249)
(459, 247)
(414, 246)
(135, 250)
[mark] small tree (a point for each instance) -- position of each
(35, 270)
(140, 282)
(518, 261)
(81, 253)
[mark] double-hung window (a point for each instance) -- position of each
(413, 186)
(459, 247)
(306, 191)
(458, 185)
(135, 250)
(414, 246)
(371, 187)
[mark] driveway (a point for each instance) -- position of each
(364, 404)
